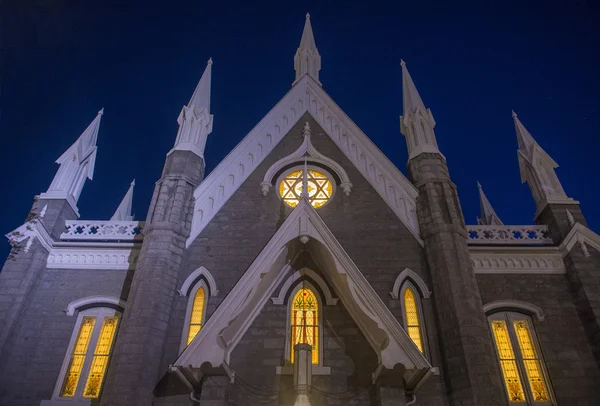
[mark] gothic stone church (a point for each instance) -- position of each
(305, 269)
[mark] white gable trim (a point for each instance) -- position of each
(280, 298)
(514, 304)
(220, 335)
(305, 95)
(202, 271)
(411, 275)
(98, 300)
(582, 235)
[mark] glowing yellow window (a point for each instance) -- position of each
(519, 359)
(101, 356)
(411, 315)
(318, 185)
(78, 357)
(197, 316)
(305, 322)
(508, 363)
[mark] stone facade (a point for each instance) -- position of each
(356, 247)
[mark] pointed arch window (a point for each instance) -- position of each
(196, 312)
(304, 322)
(88, 354)
(523, 369)
(412, 317)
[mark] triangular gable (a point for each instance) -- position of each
(222, 332)
(305, 95)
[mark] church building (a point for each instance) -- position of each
(305, 269)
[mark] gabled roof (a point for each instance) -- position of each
(222, 332)
(305, 96)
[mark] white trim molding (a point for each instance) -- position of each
(93, 258)
(98, 301)
(581, 235)
(512, 305)
(233, 317)
(305, 96)
(306, 148)
(29, 231)
(517, 260)
(202, 271)
(285, 288)
(410, 275)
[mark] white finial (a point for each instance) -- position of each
(514, 115)
(488, 214)
(570, 218)
(306, 130)
(195, 121)
(76, 163)
(123, 212)
(402, 63)
(307, 60)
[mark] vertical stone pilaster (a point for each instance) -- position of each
(583, 273)
(135, 367)
(471, 369)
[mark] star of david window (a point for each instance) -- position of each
(319, 187)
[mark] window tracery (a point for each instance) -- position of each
(319, 187)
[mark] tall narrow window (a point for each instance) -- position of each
(412, 316)
(197, 314)
(520, 359)
(89, 353)
(305, 322)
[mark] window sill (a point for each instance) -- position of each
(67, 401)
(316, 370)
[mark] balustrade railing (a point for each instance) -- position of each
(508, 235)
(103, 230)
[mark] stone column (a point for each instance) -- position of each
(582, 265)
(135, 364)
(470, 366)
(302, 373)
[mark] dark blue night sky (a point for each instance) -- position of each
(61, 61)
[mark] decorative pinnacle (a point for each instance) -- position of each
(132, 183)
(101, 111)
(210, 61)
(306, 130)
(308, 16)
(402, 63)
(514, 115)
(478, 185)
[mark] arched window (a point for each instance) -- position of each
(197, 314)
(304, 322)
(523, 369)
(412, 316)
(88, 354)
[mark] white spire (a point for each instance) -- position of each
(195, 121)
(488, 214)
(123, 212)
(307, 60)
(76, 163)
(417, 122)
(537, 169)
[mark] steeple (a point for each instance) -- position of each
(195, 121)
(307, 60)
(417, 122)
(537, 169)
(123, 212)
(76, 163)
(488, 214)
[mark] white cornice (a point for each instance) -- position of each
(517, 260)
(93, 258)
(221, 333)
(305, 95)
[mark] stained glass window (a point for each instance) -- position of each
(411, 316)
(197, 316)
(78, 357)
(319, 188)
(508, 362)
(531, 360)
(519, 359)
(305, 322)
(100, 360)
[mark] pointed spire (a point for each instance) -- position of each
(123, 212)
(538, 169)
(307, 60)
(195, 121)
(201, 97)
(488, 214)
(76, 163)
(411, 99)
(417, 122)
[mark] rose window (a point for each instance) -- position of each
(319, 187)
